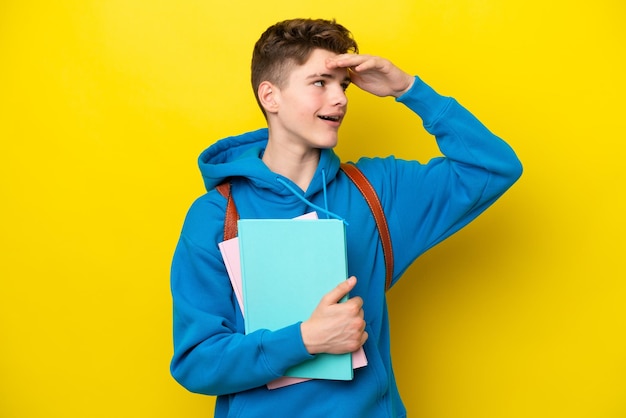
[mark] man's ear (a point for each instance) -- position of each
(267, 96)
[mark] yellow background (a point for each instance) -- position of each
(105, 105)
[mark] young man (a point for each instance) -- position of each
(300, 71)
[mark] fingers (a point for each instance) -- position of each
(373, 74)
(364, 338)
(355, 62)
(345, 60)
(355, 333)
(339, 292)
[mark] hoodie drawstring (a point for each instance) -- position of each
(328, 213)
(325, 197)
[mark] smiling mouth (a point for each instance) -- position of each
(330, 118)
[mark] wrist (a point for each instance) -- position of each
(308, 340)
(410, 80)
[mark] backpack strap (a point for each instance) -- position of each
(232, 216)
(368, 192)
(361, 182)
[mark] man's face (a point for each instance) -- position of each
(312, 103)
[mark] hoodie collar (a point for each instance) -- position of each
(240, 156)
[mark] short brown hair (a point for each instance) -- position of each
(291, 42)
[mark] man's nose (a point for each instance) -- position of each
(339, 97)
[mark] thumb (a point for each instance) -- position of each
(339, 292)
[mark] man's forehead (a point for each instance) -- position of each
(315, 67)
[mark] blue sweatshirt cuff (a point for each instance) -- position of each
(425, 101)
(284, 348)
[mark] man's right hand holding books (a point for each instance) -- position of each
(336, 328)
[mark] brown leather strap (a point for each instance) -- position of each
(372, 200)
(366, 189)
(232, 216)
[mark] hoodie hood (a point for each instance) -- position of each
(240, 156)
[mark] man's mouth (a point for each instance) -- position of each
(332, 118)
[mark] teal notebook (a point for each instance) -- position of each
(287, 265)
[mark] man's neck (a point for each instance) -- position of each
(297, 167)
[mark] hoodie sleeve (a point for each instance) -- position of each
(426, 203)
(211, 353)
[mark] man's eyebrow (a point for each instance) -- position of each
(346, 79)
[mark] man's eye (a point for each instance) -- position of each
(319, 83)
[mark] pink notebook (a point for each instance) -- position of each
(231, 256)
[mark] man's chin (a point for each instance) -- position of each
(328, 146)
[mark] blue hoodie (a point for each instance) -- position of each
(423, 204)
